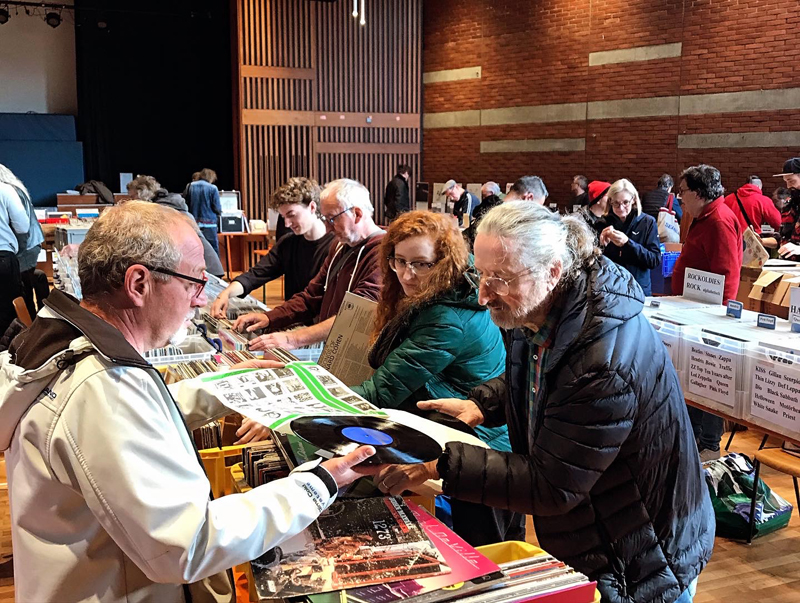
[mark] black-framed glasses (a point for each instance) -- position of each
(417, 268)
(499, 286)
(332, 219)
(199, 282)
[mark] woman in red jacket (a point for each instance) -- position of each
(713, 244)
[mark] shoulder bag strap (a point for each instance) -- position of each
(744, 213)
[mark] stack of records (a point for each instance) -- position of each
(188, 370)
(262, 463)
(208, 436)
(232, 357)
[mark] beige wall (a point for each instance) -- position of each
(37, 65)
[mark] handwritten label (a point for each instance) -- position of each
(703, 286)
(765, 321)
(712, 374)
(671, 342)
(794, 308)
(776, 395)
(734, 309)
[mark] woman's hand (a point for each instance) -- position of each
(251, 321)
(463, 410)
(396, 479)
(788, 250)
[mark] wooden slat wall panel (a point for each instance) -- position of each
(375, 70)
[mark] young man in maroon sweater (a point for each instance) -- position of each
(714, 244)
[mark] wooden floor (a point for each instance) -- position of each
(768, 571)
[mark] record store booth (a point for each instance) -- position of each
(363, 301)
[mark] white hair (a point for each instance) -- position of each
(490, 188)
(8, 177)
(623, 185)
(349, 193)
(540, 237)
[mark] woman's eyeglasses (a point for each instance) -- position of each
(417, 268)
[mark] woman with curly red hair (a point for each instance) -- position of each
(432, 339)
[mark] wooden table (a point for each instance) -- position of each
(793, 438)
(236, 247)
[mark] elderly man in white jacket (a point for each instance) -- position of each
(109, 501)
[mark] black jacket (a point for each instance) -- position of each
(396, 198)
(488, 203)
(654, 200)
(641, 253)
(613, 478)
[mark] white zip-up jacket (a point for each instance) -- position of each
(109, 501)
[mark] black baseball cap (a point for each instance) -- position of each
(791, 166)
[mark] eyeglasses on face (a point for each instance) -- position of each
(495, 284)
(417, 268)
(200, 283)
(624, 203)
(332, 219)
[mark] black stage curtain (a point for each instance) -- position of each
(154, 89)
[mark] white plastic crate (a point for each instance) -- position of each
(193, 348)
(773, 399)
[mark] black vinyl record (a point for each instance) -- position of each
(394, 443)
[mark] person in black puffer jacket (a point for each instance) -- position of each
(603, 453)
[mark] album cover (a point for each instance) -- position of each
(354, 543)
(464, 561)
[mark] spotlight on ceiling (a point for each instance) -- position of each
(52, 19)
(4, 16)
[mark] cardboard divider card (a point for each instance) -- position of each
(712, 374)
(776, 394)
(703, 286)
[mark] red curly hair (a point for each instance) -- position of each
(452, 257)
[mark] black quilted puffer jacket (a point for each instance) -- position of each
(613, 478)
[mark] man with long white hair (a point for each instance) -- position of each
(603, 453)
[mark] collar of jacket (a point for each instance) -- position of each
(709, 209)
(106, 338)
(600, 299)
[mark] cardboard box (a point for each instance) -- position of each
(747, 279)
(770, 293)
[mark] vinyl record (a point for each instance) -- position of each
(394, 443)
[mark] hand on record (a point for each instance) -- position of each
(251, 431)
(396, 479)
(463, 410)
(273, 340)
(257, 363)
(341, 468)
(251, 321)
(219, 309)
(788, 250)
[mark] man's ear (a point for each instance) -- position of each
(137, 285)
(556, 270)
(358, 214)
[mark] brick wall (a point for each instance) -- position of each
(537, 53)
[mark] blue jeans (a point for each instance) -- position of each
(707, 428)
(688, 595)
(210, 233)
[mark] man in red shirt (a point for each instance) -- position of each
(713, 244)
(751, 207)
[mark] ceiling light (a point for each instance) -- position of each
(53, 19)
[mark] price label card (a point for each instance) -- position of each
(765, 321)
(712, 374)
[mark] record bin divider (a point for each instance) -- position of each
(214, 461)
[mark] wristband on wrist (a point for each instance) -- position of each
(317, 469)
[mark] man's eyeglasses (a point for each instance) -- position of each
(332, 219)
(498, 286)
(199, 282)
(417, 268)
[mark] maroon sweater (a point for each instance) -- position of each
(713, 244)
(316, 303)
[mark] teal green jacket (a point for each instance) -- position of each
(440, 350)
